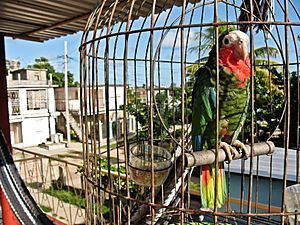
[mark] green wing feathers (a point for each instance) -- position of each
(234, 101)
(203, 134)
(233, 107)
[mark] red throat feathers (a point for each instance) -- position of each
(234, 64)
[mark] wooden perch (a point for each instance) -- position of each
(207, 157)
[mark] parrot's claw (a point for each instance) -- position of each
(240, 145)
(229, 151)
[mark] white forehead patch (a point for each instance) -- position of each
(237, 34)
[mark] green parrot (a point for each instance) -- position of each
(234, 95)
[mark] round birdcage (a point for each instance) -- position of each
(139, 63)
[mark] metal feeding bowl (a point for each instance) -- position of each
(140, 164)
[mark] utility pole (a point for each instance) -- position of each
(67, 94)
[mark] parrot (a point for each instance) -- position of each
(234, 95)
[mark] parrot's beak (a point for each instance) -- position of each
(241, 51)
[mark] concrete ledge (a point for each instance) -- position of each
(52, 146)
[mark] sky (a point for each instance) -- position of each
(27, 51)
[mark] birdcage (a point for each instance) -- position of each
(139, 63)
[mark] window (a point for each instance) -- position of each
(36, 99)
(14, 102)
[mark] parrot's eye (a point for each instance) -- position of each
(226, 41)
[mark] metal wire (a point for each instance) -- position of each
(138, 54)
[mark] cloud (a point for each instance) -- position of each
(172, 37)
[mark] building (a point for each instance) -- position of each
(144, 93)
(116, 100)
(12, 65)
(31, 106)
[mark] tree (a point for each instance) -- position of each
(269, 102)
(58, 78)
(139, 110)
(166, 103)
(263, 52)
(207, 38)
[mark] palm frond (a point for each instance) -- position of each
(263, 52)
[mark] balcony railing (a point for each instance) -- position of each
(54, 184)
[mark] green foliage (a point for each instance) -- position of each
(194, 186)
(58, 78)
(46, 209)
(264, 52)
(169, 109)
(67, 196)
(70, 197)
(207, 37)
(119, 185)
(139, 110)
(269, 101)
(74, 136)
(116, 183)
(191, 70)
(265, 62)
(167, 104)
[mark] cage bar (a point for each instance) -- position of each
(138, 62)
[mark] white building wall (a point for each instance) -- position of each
(119, 95)
(36, 125)
(35, 130)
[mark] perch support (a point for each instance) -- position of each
(207, 157)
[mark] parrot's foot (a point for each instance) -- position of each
(239, 145)
(229, 150)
